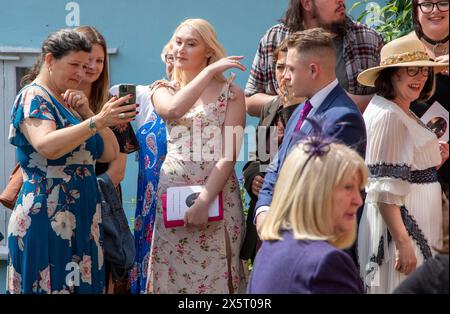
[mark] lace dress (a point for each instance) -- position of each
(195, 261)
(402, 155)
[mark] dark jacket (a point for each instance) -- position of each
(303, 266)
(336, 108)
(256, 167)
(430, 278)
(118, 241)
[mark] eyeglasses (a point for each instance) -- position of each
(413, 71)
(169, 58)
(428, 7)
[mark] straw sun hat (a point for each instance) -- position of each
(402, 52)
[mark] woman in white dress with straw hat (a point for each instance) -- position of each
(402, 212)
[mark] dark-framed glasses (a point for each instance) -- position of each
(169, 58)
(413, 71)
(428, 7)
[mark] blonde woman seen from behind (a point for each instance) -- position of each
(312, 219)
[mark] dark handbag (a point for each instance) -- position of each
(118, 244)
(9, 195)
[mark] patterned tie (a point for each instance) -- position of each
(303, 114)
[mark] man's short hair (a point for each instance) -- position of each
(312, 40)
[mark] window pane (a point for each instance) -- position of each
(20, 72)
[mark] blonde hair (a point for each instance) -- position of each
(209, 37)
(302, 200)
(167, 48)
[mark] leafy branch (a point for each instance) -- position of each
(392, 21)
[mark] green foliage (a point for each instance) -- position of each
(392, 21)
(242, 192)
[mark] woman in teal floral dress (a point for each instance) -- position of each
(55, 231)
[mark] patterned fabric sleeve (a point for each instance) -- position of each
(262, 74)
(32, 102)
(172, 86)
(389, 157)
(362, 47)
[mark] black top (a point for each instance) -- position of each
(441, 95)
(430, 278)
(272, 112)
(127, 144)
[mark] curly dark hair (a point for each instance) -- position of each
(59, 44)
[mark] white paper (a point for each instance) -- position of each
(436, 118)
(177, 205)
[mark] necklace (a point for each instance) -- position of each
(443, 50)
(439, 47)
(58, 98)
(435, 42)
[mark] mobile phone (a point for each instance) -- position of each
(126, 89)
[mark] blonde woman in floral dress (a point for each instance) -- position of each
(202, 256)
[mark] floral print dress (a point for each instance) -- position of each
(151, 136)
(55, 233)
(192, 260)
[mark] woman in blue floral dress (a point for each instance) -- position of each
(55, 232)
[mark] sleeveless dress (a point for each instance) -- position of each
(195, 261)
(402, 155)
(151, 136)
(54, 235)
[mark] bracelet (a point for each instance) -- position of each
(92, 127)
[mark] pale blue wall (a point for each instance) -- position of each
(139, 29)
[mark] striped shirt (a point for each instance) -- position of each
(361, 44)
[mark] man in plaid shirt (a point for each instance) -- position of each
(358, 48)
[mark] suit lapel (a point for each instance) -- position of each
(326, 104)
(292, 124)
(270, 116)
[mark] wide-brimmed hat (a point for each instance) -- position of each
(402, 52)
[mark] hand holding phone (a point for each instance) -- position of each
(127, 89)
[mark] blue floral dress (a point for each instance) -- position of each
(152, 141)
(55, 233)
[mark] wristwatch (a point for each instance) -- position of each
(92, 127)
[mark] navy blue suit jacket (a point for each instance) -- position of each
(336, 108)
(303, 266)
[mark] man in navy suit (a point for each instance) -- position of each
(310, 72)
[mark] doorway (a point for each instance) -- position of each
(12, 68)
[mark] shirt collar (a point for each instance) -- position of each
(320, 96)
